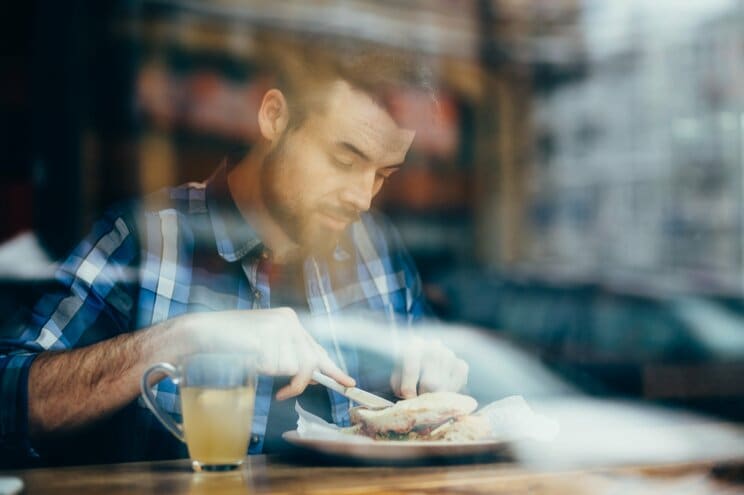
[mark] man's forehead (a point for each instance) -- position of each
(354, 118)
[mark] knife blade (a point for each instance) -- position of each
(356, 394)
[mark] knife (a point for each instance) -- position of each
(356, 394)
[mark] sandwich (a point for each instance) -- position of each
(444, 416)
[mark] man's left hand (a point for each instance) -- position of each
(428, 366)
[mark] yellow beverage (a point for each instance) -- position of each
(217, 423)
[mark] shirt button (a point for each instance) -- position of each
(255, 440)
(257, 294)
(264, 255)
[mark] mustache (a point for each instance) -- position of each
(348, 214)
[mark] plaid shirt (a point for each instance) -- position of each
(188, 249)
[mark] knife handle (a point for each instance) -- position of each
(328, 382)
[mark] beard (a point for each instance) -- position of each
(289, 210)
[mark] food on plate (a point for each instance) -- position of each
(432, 416)
(464, 429)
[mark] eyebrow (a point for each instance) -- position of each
(350, 147)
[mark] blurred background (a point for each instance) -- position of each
(581, 195)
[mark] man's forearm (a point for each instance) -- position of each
(70, 389)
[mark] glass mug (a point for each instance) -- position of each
(217, 392)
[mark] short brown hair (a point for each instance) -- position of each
(303, 67)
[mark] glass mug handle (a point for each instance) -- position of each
(150, 402)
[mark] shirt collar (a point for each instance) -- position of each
(234, 237)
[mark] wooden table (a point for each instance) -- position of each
(262, 474)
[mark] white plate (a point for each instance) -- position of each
(398, 450)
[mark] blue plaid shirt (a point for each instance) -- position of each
(188, 249)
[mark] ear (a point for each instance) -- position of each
(273, 115)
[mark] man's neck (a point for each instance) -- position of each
(245, 188)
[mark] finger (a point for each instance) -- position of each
(296, 385)
(328, 367)
(432, 379)
(395, 382)
(411, 372)
(438, 365)
(459, 376)
(455, 376)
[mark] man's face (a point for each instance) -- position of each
(319, 177)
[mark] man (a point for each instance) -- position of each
(224, 266)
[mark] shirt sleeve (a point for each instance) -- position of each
(14, 368)
(93, 299)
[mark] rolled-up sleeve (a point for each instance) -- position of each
(93, 300)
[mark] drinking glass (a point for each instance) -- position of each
(217, 394)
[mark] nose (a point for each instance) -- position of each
(358, 193)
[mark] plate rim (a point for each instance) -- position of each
(293, 435)
(396, 450)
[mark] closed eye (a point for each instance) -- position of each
(341, 164)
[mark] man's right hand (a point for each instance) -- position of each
(281, 345)
(70, 389)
